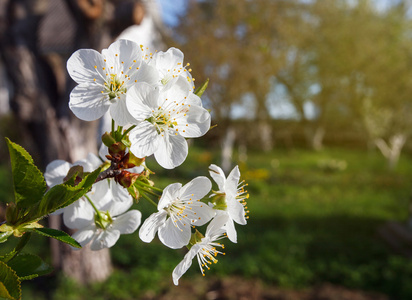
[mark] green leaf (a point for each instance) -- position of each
(58, 235)
(200, 90)
(10, 284)
(29, 266)
(61, 196)
(29, 184)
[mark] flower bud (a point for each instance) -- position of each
(107, 139)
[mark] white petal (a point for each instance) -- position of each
(172, 151)
(168, 60)
(120, 113)
(195, 189)
(151, 225)
(215, 228)
(119, 192)
(170, 193)
(178, 91)
(230, 230)
(78, 214)
(105, 239)
(197, 121)
(145, 74)
(173, 236)
(193, 99)
(232, 181)
(122, 54)
(185, 264)
(200, 213)
(81, 66)
(116, 208)
(140, 100)
(144, 139)
(56, 171)
(100, 194)
(88, 103)
(236, 210)
(84, 235)
(128, 222)
(218, 176)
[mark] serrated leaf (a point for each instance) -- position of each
(10, 283)
(29, 266)
(29, 183)
(62, 195)
(200, 90)
(58, 235)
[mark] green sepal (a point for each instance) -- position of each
(29, 266)
(5, 235)
(58, 235)
(29, 184)
(126, 143)
(200, 90)
(10, 285)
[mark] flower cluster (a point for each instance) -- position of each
(152, 99)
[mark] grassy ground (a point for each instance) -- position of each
(311, 221)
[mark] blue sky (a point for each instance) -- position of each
(171, 10)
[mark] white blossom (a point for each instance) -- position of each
(103, 80)
(167, 116)
(230, 199)
(205, 249)
(179, 209)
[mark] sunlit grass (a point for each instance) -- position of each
(307, 225)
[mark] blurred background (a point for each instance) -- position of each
(312, 99)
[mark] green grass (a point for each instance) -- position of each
(307, 225)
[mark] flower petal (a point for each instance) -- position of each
(185, 264)
(196, 123)
(215, 228)
(236, 210)
(172, 151)
(105, 239)
(128, 222)
(195, 189)
(56, 171)
(144, 139)
(230, 230)
(140, 100)
(151, 225)
(79, 214)
(119, 192)
(88, 103)
(232, 182)
(120, 114)
(170, 193)
(84, 235)
(173, 235)
(81, 66)
(218, 176)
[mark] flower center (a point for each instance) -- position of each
(161, 120)
(206, 255)
(114, 86)
(176, 212)
(103, 220)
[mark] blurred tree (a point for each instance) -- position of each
(35, 42)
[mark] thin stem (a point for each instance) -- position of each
(22, 242)
(128, 130)
(148, 199)
(149, 192)
(149, 186)
(94, 207)
(112, 126)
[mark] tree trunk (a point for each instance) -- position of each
(392, 151)
(40, 88)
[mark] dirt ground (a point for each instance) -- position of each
(241, 289)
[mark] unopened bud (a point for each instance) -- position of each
(107, 139)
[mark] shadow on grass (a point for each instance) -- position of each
(299, 252)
